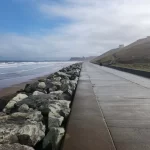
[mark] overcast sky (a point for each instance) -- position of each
(65, 28)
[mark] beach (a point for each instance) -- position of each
(36, 112)
(12, 73)
(23, 73)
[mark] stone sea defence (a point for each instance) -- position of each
(35, 118)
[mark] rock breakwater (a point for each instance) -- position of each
(35, 118)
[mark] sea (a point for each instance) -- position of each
(12, 73)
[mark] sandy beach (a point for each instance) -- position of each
(14, 77)
(7, 93)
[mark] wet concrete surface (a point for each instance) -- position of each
(125, 102)
(122, 108)
(87, 129)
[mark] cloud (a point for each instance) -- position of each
(93, 28)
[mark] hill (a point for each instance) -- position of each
(136, 55)
(107, 58)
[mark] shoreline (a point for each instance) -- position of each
(6, 94)
(14, 88)
(36, 114)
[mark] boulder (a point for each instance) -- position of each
(54, 88)
(8, 133)
(30, 116)
(73, 84)
(60, 107)
(46, 103)
(35, 101)
(24, 108)
(65, 85)
(22, 116)
(63, 75)
(56, 94)
(35, 116)
(24, 128)
(30, 88)
(37, 93)
(56, 107)
(54, 120)
(65, 112)
(15, 146)
(51, 76)
(69, 92)
(56, 79)
(41, 80)
(66, 96)
(10, 105)
(42, 85)
(31, 134)
(56, 84)
(48, 83)
(53, 138)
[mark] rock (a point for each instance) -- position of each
(60, 107)
(37, 93)
(54, 120)
(64, 103)
(54, 88)
(69, 92)
(53, 138)
(2, 114)
(73, 77)
(57, 84)
(15, 146)
(35, 116)
(56, 79)
(65, 85)
(63, 75)
(31, 134)
(65, 112)
(31, 116)
(8, 133)
(68, 87)
(23, 108)
(30, 88)
(20, 115)
(12, 102)
(42, 85)
(73, 84)
(51, 76)
(35, 101)
(46, 103)
(75, 73)
(41, 80)
(48, 83)
(13, 126)
(66, 96)
(56, 94)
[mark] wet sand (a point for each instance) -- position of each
(8, 93)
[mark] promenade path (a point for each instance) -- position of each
(111, 111)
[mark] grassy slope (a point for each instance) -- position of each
(135, 56)
(106, 57)
(136, 66)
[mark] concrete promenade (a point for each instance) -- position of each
(111, 111)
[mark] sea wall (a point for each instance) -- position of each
(35, 118)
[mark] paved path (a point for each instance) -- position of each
(123, 119)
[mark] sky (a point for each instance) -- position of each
(49, 29)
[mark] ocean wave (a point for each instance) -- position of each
(30, 64)
(17, 64)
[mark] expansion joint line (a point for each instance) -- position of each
(100, 109)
